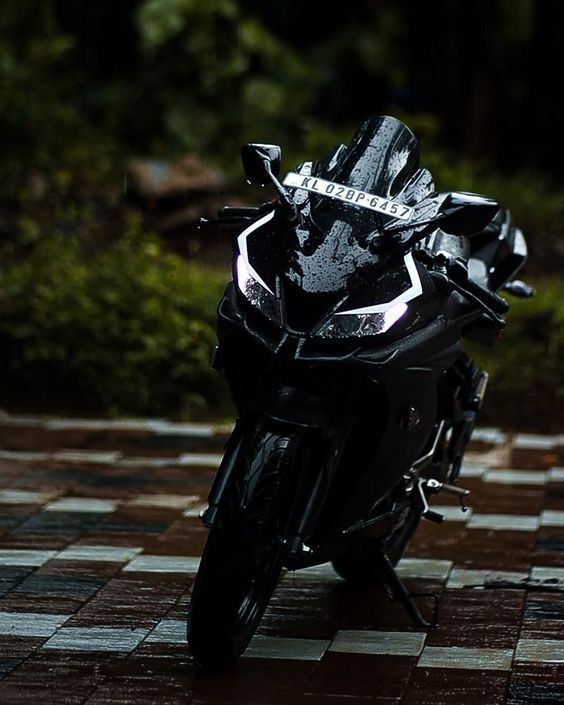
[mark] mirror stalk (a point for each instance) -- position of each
(287, 206)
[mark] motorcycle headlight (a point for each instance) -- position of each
(256, 292)
(356, 325)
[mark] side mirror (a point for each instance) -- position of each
(466, 213)
(261, 162)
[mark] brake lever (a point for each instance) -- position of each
(450, 285)
(452, 275)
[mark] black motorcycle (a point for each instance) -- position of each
(340, 339)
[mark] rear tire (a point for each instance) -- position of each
(243, 556)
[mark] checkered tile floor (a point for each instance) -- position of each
(100, 541)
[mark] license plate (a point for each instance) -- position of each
(348, 195)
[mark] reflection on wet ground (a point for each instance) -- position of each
(100, 540)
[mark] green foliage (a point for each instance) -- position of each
(243, 80)
(126, 328)
(527, 375)
(49, 141)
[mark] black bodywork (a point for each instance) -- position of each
(341, 332)
(371, 400)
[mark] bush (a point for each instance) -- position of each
(119, 328)
(527, 376)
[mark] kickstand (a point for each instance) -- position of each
(398, 591)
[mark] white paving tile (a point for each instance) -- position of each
(504, 522)
(195, 510)
(378, 643)
(462, 577)
(30, 624)
(547, 573)
(25, 557)
(25, 455)
(166, 501)
(556, 474)
(424, 568)
(516, 477)
(168, 631)
(145, 462)
(86, 456)
(11, 496)
(540, 650)
(163, 564)
(489, 435)
(470, 469)
(82, 504)
(322, 572)
(112, 554)
(97, 424)
(96, 639)
(530, 441)
(552, 517)
(207, 460)
(192, 430)
(466, 658)
(286, 648)
(452, 513)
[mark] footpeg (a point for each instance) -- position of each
(435, 486)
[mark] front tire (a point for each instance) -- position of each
(243, 556)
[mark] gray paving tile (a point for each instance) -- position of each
(540, 650)
(470, 469)
(286, 648)
(168, 631)
(86, 552)
(556, 475)
(86, 456)
(489, 435)
(322, 572)
(516, 477)
(119, 640)
(31, 624)
(163, 564)
(25, 557)
(547, 573)
(195, 510)
(193, 430)
(466, 658)
(13, 496)
(552, 517)
(82, 504)
(424, 568)
(463, 577)
(504, 522)
(531, 441)
(25, 455)
(207, 460)
(166, 501)
(378, 643)
(145, 462)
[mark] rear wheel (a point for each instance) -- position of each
(243, 557)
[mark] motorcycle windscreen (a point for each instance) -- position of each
(332, 250)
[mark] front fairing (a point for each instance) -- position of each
(326, 277)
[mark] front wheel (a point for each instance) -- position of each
(243, 556)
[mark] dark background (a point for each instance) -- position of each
(105, 107)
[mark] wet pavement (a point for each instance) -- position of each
(100, 540)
